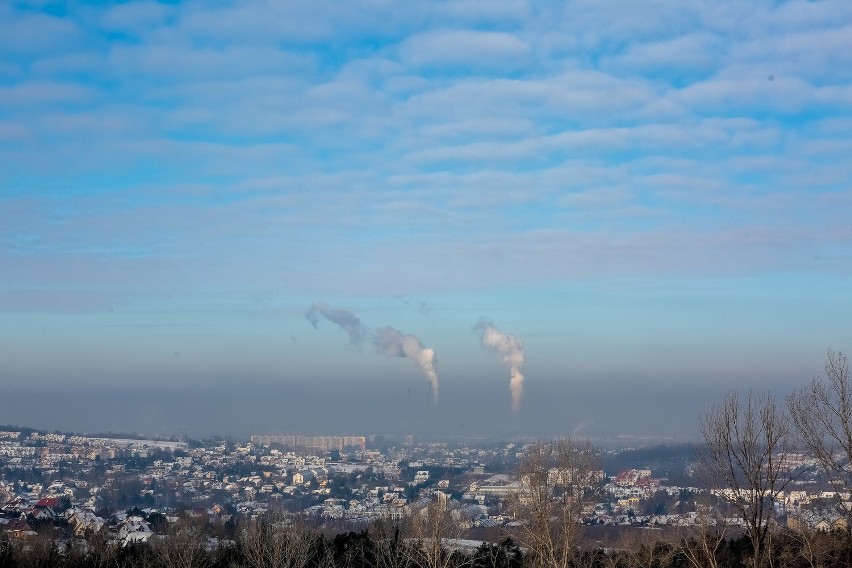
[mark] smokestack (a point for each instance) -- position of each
(344, 319)
(511, 352)
(393, 343)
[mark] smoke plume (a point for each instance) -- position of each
(344, 319)
(511, 352)
(388, 341)
(393, 343)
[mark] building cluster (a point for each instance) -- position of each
(321, 443)
(94, 484)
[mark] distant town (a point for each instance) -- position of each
(132, 489)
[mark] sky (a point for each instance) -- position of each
(635, 206)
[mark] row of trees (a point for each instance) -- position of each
(271, 543)
(277, 544)
(749, 441)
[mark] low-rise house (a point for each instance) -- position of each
(134, 530)
(823, 520)
(83, 522)
(421, 476)
(16, 528)
(41, 513)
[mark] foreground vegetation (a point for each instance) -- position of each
(281, 544)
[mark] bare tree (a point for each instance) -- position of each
(700, 542)
(140, 556)
(434, 528)
(745, 454)
(40, 551)
(277, 543)
(557, 481)
(816, 549)
(100, 552)
(324, 557)
(503, 555)
(822, 414)
(7, 553)
(392, 550)
(648, 548)
(592, 557)
(183, 547)
(354, 551)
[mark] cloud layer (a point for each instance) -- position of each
(438, 134)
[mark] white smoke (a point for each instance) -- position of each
(511, 351)
(388, 341)
(393, 343)
(581, 427)
(344, 319)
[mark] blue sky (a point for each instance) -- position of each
(652, 194)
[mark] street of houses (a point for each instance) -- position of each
(131, 489)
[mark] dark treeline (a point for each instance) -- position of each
(282, 544)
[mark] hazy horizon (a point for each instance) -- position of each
(396, 406)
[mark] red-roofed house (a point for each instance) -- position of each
(51, 502)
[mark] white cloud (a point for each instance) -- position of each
(135, 16)
(28, 35)
(476, 51)
(182, 63)
(694, 54)
(34, 93)
(13, 131)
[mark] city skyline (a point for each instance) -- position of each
(651, 202)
